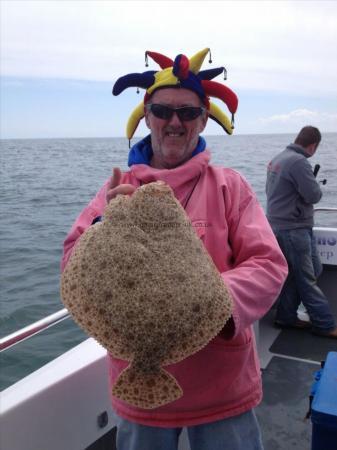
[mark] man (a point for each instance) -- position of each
(221, 382)
(292, 189)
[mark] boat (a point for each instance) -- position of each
(66, 403)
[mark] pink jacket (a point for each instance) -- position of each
(223, 379)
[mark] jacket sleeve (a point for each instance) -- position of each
(259, 268)
(305, 181)
(84, 220)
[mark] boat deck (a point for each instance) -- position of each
(288, 371)
(289, 359)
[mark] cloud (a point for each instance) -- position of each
(276, 46)
(300, 117)
(293, 115)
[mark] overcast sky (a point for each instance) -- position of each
(59, 60)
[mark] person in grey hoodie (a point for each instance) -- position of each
(292, 190)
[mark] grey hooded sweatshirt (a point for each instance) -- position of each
(291, 190)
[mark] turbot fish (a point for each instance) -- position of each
(143, 285)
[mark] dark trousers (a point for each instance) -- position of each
(298, 246)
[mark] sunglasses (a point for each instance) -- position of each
(185, 113)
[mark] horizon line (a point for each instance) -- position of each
(141, 137)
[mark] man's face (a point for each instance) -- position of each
(173, 140)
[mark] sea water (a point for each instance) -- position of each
(45, 183)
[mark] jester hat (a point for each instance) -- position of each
(184, 73)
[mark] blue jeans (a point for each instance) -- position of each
(235, 433)
(298, 246)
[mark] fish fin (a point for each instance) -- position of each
(146, 391)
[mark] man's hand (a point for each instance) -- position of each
(115, 188)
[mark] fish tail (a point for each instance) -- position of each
(146, 391)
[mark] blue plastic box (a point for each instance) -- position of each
(324, 407)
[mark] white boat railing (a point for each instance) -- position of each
(32, 329)
(323, 208)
